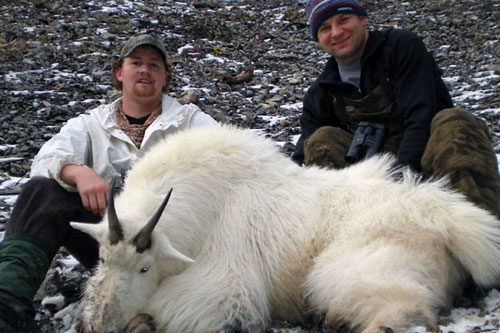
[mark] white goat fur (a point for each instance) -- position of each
(272, 240)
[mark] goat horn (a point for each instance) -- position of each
(115, 230)
(142, 240)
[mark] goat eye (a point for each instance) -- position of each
(144, 270)
(101, 261)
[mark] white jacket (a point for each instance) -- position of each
(95, 140)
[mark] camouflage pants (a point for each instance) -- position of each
(459, 147)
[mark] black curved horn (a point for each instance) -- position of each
(142, 240)
(115, 230)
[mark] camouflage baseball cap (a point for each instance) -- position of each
(140, 40)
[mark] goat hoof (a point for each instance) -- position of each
(385, 329)
(142, 323)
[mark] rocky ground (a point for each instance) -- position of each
(244, 62)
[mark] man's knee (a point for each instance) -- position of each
(38, 212)
(457, 118)
(38, 182)
(456, 132)
(460, 147)
(36, 190)
(327, 147)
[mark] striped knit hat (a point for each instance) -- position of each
(318, 11)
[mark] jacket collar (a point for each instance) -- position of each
(173, 113)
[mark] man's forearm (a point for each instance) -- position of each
(71, 172)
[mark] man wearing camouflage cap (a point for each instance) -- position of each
(382, 91)
(71, 173)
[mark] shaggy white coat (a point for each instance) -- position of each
(272, 240)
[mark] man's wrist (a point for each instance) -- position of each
(72, 172)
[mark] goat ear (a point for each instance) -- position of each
(167, 251)
(92, 229)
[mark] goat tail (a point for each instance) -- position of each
(472, 235)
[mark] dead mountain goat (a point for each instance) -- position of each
(271, 240)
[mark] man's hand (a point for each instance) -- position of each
(93, 189)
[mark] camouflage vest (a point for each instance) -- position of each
(376, 107)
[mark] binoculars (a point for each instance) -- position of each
(366, 142)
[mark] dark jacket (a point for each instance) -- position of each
(415, 84)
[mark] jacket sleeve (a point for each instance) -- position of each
(199, 117)
(70, 146)
(414, 82)
(317, 112)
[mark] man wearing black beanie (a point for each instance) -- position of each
(381, 91)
